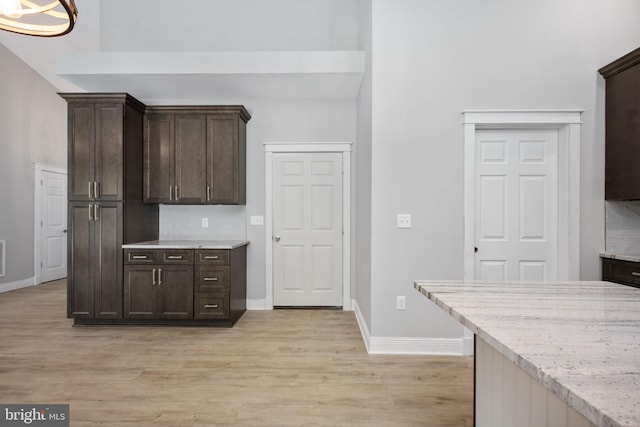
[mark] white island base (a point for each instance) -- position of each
(507, 396)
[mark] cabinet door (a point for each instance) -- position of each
(140, 282)
(175, 288)
(190, 159)
(81, 134)
(79, 280)
(225, 160)
(622, 174)
(158, 144)
(107, 260)
(109, 157)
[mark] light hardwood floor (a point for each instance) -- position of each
(274, 368)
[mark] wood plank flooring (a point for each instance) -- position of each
(274, 368)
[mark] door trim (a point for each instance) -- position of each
(309, 147)
(567, 123)
(37, 215)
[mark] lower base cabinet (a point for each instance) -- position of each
(621, 271)
(158, 292)
(182, 287)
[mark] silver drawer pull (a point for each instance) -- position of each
(635, 274)
(211, 306)
(174, 257)
(139, 257)
(211, 257)
(210, 279)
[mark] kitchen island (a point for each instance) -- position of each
(549, 354)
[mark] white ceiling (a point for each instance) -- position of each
(75, 63)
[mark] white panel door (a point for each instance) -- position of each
(516, 213)
(54, 226)
(307, 228)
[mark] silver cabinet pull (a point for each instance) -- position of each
(96, 189)
(208, 193)
(96, 209)
(154, 277)
(159, 276)
(211, 306)
(635, 274)
(210, 279)
(211, 257)
(90, 186)
(171, 192)
(90, 211)
(139, 257)
(177, 194)
(174, 257)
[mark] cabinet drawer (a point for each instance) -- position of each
(625, 272)
(140, 256)
(212, 256)
(211, 306)
(212, 279)
(175, 256)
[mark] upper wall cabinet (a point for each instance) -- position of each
(622, 116)
(195, 155)
(174, 158)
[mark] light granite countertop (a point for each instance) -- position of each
(187, 244)
(624, 257)
(581, 340)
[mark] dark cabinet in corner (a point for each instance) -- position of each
(195, 155)
(622, 116)
(105, 199)
(184, 286)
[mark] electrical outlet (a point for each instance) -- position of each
(401, 302)
(205, 222)
(404, 220)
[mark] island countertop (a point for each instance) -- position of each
(580, 340)
(187, 244)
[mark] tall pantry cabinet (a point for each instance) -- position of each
(105, 199)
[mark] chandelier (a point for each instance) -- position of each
(44, 18)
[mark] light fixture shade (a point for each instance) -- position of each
(44, 18)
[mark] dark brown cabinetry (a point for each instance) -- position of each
(95, 133)
(621, 271)
(195, 155)
(175, 156)
(622, 116)
(207, 286)
(159, 291)
(105, 200)
(95, 236)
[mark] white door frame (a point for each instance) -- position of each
(567, 122)
(37, 206)
(309, 147)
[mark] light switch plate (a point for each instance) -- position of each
(257, 220)
(404, 220)
(205, 222)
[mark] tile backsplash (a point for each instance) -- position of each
(185, 222)
(622, 227)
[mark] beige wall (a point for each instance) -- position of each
(33, 126)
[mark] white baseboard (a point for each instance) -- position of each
(401, 345)
(364, 330)
(256, 304)
(12, 286)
